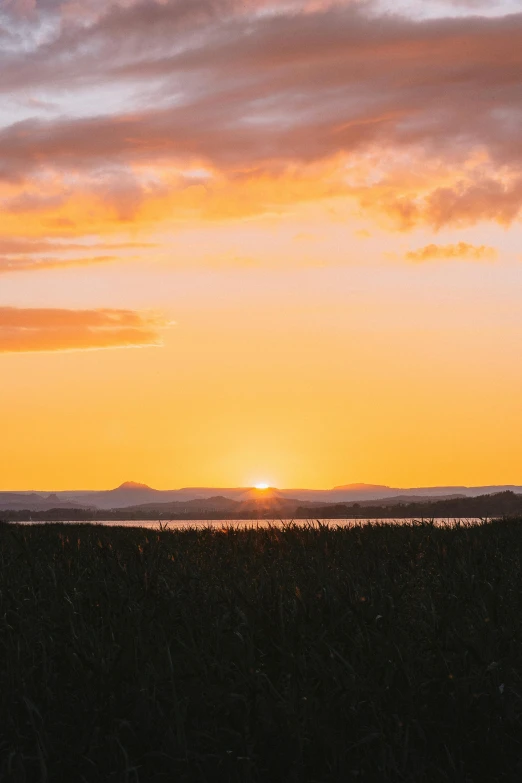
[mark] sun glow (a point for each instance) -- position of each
(262, 486)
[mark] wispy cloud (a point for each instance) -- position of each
(18, 254)
(460, 251)
(34, 264)
(13, 245)
(34, 330)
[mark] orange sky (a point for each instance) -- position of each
(255, 242)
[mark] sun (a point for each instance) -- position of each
(262, 486)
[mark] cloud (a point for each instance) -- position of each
(473, 201)
(34, 330)
(14, 246)
(290, 87)
(20, 254)
(37, 264)
(20, 7)
(249, 95)
(460, 251)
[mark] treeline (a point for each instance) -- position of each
(64, 515)
(129, 514)
(501, 504)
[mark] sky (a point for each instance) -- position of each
(249, 242)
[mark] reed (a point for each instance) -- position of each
(309, 654)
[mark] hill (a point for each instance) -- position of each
(131, 495)
(32, 501)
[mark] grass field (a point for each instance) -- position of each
(379, 653)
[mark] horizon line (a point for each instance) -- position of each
(129, 485)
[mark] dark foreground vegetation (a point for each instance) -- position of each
(379, 653)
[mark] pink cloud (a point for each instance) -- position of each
(245, 94)
(460, 251)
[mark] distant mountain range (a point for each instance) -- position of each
(131, 495)
(32, 501)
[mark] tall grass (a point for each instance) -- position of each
(374, 653)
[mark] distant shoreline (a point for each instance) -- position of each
(499, 505)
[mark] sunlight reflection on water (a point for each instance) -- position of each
(218, 524)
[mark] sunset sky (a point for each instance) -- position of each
(246, 242)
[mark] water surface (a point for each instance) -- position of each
(218, 524)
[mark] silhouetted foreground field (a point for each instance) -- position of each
(379, 653)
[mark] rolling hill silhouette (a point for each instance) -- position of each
(132, 494)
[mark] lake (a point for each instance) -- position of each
(253, 523)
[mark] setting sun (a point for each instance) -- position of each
(262, 486)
